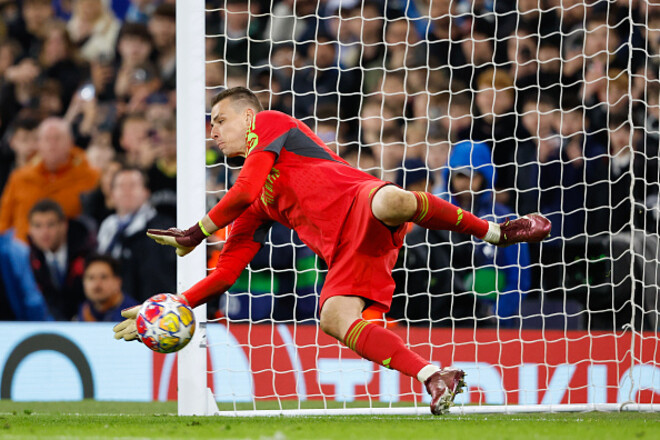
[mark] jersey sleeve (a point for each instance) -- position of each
(269, 132)
(245, 239)
(246, 189)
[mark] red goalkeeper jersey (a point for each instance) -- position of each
(290, 176)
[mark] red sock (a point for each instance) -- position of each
(383, 347)
(434, 213)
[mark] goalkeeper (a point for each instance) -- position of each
(352, 220)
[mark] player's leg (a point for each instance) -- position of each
(341, 318)
(393, 206)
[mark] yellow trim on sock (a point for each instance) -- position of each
(423, 209)
(354, 334)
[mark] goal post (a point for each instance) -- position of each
(563, 98)
(191, 199)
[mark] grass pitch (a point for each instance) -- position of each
(104, 420)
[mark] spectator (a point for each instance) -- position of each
(10, 51)
(58, 248)
(614, 214)
(61, 173)
(146, 269)
(19, 90)
(522, 50)
(139, 11)
(21, 146)
(361, 158)
(98, 204)
(374, 120)
(498, 126)
(134, 46)
(295, 21)
(550, 71)
(498, 277)
(49, 93)
(28, 32)
(403, 50)
(20, 298)
(100, 152)
(162, 174)
(60, 62)
(322, 83)
(539, 117)
(567, 178)
(606, 98)
(422, 295)
(240, 27)
(104, 299)
(134, 141)
(455, 115)
(391, 92)
(478, 49)
(84, 115)
(94, 28)
(300, 275)
(162, 27)
(444, 40)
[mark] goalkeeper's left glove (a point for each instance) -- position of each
(183, 241)
(127, 329)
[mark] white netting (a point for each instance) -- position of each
(550, 106)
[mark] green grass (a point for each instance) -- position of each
(100, 420)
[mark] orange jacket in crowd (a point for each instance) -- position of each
(32, 182)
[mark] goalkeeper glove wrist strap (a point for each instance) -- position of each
(204, 231)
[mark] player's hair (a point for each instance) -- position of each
(239, 95)
(47, 205)
(112, 262)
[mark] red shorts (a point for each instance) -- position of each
(365, 255)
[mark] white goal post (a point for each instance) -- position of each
(191, 198)
(568, 325)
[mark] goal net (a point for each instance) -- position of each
(503, 108)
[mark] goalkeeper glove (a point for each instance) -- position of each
(127, 329)
(183, 241)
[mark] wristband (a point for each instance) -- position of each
(201, 226)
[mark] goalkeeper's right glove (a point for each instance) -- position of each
(183, 241)
(127, 330)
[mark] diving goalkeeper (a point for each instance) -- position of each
(352, 220)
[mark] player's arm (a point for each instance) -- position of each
(245, 191)
(245, 240)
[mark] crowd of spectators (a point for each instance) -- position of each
(87, 156)
(504, 108)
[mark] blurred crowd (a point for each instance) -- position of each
(504, 108)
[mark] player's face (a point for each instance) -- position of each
(229, 128)
(100, 284)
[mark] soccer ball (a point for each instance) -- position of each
(165, 323)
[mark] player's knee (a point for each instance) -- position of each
(393, 205)
(338, 313)
(329, 322)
